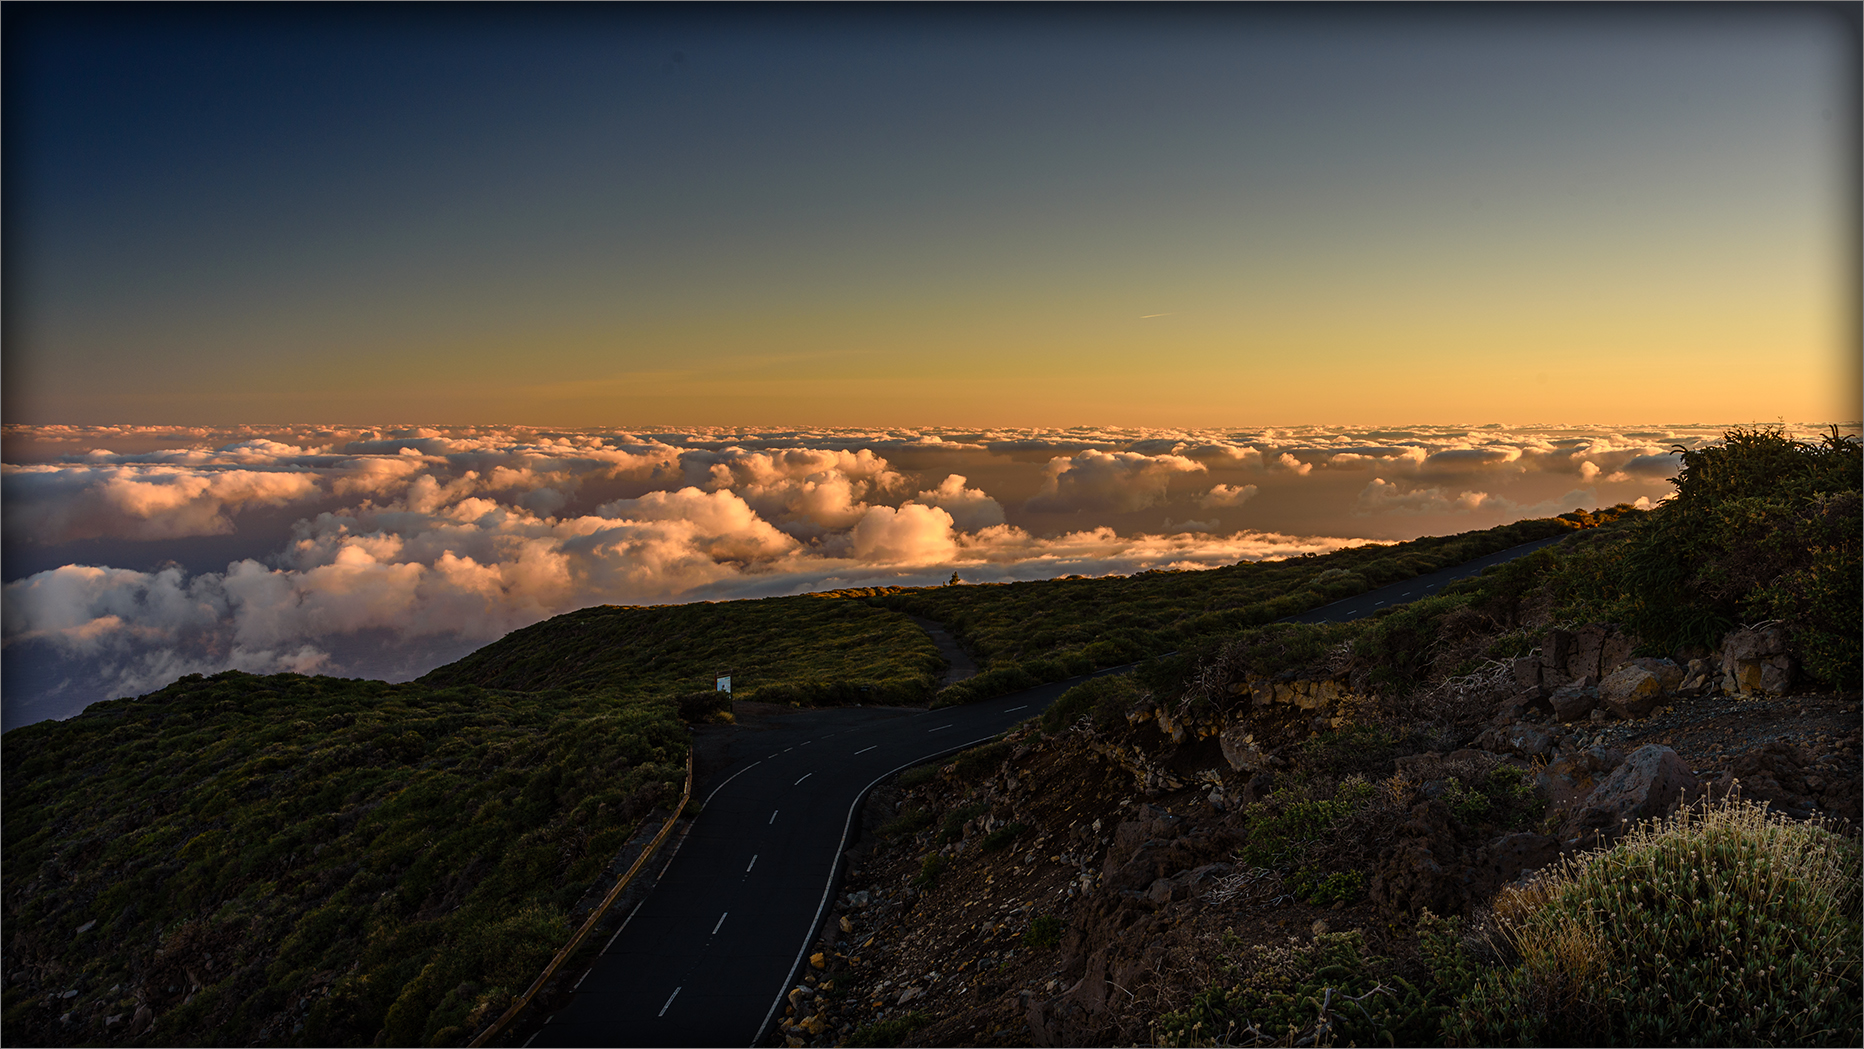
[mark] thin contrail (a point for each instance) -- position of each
(1149, 316)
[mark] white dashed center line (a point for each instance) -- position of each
(1015, 708)
(670, 997)
(806, 775)
(721, 921)
(753, 863)
(864, 750)
(941, 728)
(773, 817)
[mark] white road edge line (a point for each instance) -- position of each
(806, 775)
(864, 750)
(721, 922)
(728, 779)
(612, 939)
(670, 997)
(828, 889)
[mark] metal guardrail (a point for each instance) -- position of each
(524, 1000)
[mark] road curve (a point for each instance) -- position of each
(1414, 588)
(708, 956)
(706, 959)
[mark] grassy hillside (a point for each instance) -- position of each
(850, 646)
(309, 861)
(813, 648)
(1026, 633)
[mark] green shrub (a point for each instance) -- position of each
(980, 761)
(1329, 991)
(917, 775)
(929, 870)
(1281, 824)
(887, 1033)
(1001, 838)
(912, 821)
(1044, 932)
(1103, 700)
(1728, 926)
(952, 827)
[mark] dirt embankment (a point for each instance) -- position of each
(1073, 889)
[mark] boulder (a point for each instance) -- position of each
(1526, 672)
(1631, 691)
(1755, 659)
(1650, 783)
(1776, 674)
(1573, 701)
(1667, 672)
(1698, 679)
(1755, 642)
(1504, 859)
(1601, 760)
(1583, 659)
(1554, 649)
(1615, 650)
(1241, 751)
(1521, 738)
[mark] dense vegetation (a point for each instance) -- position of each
(1762, 527)
(310, 861)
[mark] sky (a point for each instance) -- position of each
(1049, 217)
(346, 339)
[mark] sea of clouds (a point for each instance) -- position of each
(134, 555)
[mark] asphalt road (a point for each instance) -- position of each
(707, 957)
(1416, 587)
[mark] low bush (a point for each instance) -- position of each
(888, 1033)
(917, 775)
(1329, 991)
(952, 827)
(929, 870)
(1044, 932)
(1104, 701)
(980, 761)
(1725, 926)
(1001, 838)
(912, 821)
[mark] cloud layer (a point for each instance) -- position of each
(393, 549)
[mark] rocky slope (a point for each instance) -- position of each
(1084, 887)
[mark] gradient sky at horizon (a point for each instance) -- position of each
(811, 216)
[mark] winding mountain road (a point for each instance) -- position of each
(706, 958)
